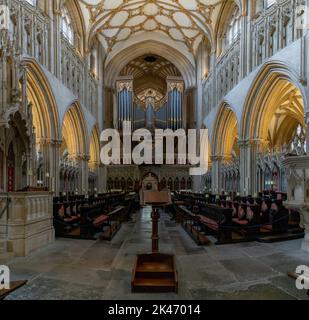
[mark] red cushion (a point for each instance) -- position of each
(99, 220)
(267, 227)
(209, 222)
(241, 222)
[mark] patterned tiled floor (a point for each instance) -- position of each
(82, 269)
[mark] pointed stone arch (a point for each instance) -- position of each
(119, 61)
(225, 134)
(225, 14)
(94, 147)
(78, 22)
(273, 84)
(44, 106)
(74, 131)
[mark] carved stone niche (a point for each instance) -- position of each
(297, 169)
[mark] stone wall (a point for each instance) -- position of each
(27, 223)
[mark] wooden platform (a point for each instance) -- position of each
(14, 286)
(154, 272)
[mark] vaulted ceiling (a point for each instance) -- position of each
(150, 64)
(150, 71)
(180, 23)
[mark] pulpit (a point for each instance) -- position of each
(155, 272)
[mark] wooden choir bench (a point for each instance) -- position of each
(86, 218)
(191, 223)
(217, 221)
(114, 221)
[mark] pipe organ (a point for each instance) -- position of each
(150, 109)
(124, 101)
(175, 90)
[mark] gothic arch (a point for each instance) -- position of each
(225, 14)
(209, 146)
(94, 147)
(120, 60)
(44, 107)
(225, 134)
(78, 22)
(74, 131)
(273, 82)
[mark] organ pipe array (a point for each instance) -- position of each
(124, 102)
(147, 114)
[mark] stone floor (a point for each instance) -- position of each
(82, 269)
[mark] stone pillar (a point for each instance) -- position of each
(56, 41)
(190, 116)
(108, 108)
(243, 44)
(101, 92)
(54, 173)
(249, 150)
(216, 172)
(46, 149)
(305, 62)
(102, 178)
(84, 173)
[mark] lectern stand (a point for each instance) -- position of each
(155, 272)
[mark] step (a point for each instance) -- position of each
(154, 267)
(154, 275)
(159, 282)
(280, 237)
(147, 285)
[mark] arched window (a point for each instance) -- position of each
(66, 25)
(32, 2)
(233, 28)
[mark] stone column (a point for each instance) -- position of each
(46, 148)
(108, 105)
(243, 44)
(102, 178)
(54, 173)
(189, 108)
(249, 150)
(56, 41)
(216, 172)
(305, 76)
(84, 173)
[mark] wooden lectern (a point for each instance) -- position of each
(155, 272)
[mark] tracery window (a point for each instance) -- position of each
(233, 29)
(66, 25)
